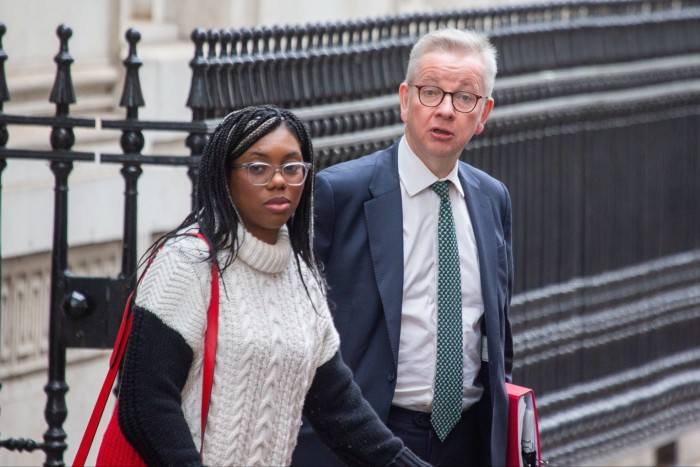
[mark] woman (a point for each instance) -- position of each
(277, 349)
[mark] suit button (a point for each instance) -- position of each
(391, 377)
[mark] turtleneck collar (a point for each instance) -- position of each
(263, 256)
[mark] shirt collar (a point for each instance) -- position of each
(415, 176)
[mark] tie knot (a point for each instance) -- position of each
(442, 189)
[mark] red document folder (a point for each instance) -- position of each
(521, 405)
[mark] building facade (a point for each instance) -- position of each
(98, 48)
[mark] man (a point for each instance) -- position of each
(379, 231)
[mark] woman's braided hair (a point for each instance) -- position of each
(215, 214)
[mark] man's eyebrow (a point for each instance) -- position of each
(433, 81)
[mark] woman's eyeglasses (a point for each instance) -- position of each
(260, 173)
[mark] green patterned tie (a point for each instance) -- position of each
(447, 399)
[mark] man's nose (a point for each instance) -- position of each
(446, 105)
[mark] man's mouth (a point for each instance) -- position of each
(441, 132)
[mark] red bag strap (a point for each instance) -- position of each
(210, 338)
(115, 359)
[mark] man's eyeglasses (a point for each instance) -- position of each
(432, 96)
(260, 173)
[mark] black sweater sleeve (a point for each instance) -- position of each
(155, 370)
(347, 423)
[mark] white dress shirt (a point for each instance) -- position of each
(417, 346)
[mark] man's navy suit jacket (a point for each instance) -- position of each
(359, 240)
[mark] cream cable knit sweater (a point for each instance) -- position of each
(271, 340)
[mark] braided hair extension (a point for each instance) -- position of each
(215, 214)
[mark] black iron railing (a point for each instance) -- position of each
(594, 132)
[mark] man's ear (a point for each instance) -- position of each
(484, 115)
(403, 100)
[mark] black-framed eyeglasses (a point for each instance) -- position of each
(260, 173)
(432, 96)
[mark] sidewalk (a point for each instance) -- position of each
(687, 451)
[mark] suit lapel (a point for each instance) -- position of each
(384, 218)
(480, 214)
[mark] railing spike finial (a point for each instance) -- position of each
(4, 97)
(266, 35)
(197, 99)
(246, 39)
(226, 91)
(277, 35)
(132, 97)
(214, 66)
(256, 39)
(62, 93)
(235, 41)
(4, 92)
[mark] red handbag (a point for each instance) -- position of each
(115, 449)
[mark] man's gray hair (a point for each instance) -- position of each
(466, 42)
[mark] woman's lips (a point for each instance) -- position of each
(278, 205)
